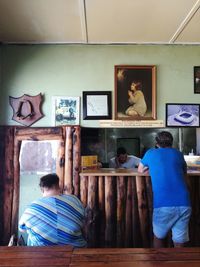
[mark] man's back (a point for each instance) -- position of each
(167, 168)
(54, 220)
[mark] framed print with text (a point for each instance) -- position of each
(135, 92)
(66, 110)
(97, 105)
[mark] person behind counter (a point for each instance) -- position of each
(122, 160)
(55, 218)
(171, 201)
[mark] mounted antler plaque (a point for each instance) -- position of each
(26, 109)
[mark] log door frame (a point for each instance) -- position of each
(34, 134)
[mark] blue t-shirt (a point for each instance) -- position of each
(167, 169)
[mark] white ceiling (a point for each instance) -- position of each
(100, 21)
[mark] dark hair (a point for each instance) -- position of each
(49, 180)
(121, 151)
(164, 139)
(138, 84)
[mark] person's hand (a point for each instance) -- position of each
(146, 170)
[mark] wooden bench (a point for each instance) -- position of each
(57, 256)
(128, 257)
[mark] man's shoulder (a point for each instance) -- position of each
(132, 157)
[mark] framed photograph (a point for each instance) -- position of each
(66, 110)
(197, 79)
(135, 92)
(182, 115)
(97, 105)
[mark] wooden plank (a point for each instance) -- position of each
(30, 133)
(136, 257)
(138, 264)
(35, 256)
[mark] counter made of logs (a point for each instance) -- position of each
(119, 207)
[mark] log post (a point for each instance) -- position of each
(143, 209)
(101, 222)
(121, 204)
(92, 211)
(136, 232)
(128, 233)
(7, 171)
(76, 160)
(84, 190)
(110, 212)
(150, 206)
(68, 183)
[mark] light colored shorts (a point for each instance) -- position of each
(172, 218)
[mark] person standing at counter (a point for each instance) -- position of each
(55, 218)
(171, 200)
(123, 160)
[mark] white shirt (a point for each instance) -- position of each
(131, 162)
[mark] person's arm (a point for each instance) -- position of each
(136, 161)
(24, 218)
(113, 163)
(22, 225)
(143, 169)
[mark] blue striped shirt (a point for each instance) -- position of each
(55, 220)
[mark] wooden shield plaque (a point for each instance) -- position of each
(26, 109)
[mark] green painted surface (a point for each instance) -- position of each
(67, 70)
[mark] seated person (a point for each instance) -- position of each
(122, 160)
(55, 218)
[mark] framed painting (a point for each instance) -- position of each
(66, 110)
(182, 115)
(135, 92)
(197, 79)
(97, 105)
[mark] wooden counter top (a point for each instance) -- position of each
(111, 172)
(123, 172)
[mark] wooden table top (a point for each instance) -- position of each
(133, 257)
(63, 256)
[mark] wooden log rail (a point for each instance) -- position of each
(119, 208)
(65, 256)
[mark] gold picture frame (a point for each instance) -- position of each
(135, 92)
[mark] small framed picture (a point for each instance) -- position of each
(197, 79)
(135, 92)
(97, 105)
(182, 115)
(66, 110)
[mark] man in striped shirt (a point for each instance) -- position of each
(54, 219)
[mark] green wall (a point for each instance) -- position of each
(67, 70)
